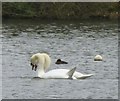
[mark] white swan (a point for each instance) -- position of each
(41, 61)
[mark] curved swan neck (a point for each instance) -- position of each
(41, 71)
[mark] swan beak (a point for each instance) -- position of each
(35, 67)
(32, 66)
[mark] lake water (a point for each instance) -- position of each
(76, 42)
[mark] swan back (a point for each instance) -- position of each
(60, 74)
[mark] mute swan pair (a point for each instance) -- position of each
(41, 62)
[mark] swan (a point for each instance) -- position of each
(41, 62)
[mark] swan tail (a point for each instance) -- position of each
(84, 76)
(71, 72)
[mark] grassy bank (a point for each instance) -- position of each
(57, 10)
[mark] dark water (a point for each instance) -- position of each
(76, 42)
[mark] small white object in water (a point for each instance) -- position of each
(98, 58)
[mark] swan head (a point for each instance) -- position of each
(34, 61)
(40, 61)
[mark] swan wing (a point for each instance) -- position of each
(71, 72)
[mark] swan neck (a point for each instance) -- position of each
(41, 71)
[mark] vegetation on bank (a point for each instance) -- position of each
(60, 10)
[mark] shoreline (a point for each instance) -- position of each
(112, 16)
(61, 11)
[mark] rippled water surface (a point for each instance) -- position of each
(76, 42)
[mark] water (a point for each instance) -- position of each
(76, 42)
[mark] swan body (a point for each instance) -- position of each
(41, 61)
(61, 73)
(56, 73)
